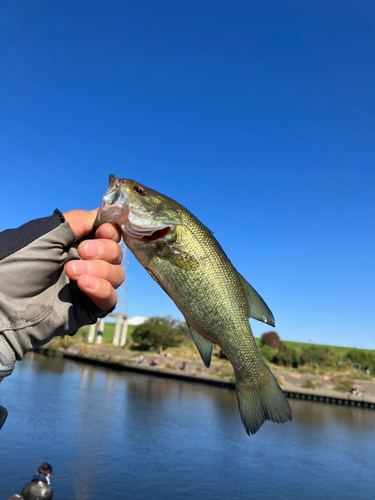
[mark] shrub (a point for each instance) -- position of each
(318, 356)
(344, 385)
(160, 332)
(286, 356)
(267, 353)
(311, 384)
(359, 356)
(271, 339)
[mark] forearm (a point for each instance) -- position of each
(37, 299)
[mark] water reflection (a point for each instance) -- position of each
(114, 434)
(45, 364)
(311, 414)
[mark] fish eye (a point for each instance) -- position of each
(139, 190)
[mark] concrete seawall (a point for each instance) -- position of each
(292, 392)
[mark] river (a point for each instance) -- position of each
(114, 435)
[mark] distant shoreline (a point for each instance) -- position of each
(100, 357)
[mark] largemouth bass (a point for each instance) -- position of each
(184, 258)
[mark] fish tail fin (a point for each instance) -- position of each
(261, 400)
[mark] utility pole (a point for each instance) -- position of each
(120, 312)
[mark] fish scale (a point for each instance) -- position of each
(186, 260)
(215, 278)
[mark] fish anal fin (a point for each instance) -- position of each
(204, 346)
(258, 309)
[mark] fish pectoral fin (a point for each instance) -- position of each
(167, 217)
(178, 258)
(257, 307)
(204, 346)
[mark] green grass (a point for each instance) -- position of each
(298, 346)
(311, 384)
(344, 385)
(109, 331)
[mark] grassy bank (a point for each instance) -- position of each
(297, 346)
(189, 352)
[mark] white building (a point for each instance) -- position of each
(136, 320)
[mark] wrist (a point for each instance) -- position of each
(7, 358)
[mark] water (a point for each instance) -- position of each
(114, 435)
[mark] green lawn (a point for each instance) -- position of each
(298, 346)
(109, 331)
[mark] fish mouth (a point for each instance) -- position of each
(112, 206)
(156, 235)
(114, 184)
(144, 229)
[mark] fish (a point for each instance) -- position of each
(182, 255)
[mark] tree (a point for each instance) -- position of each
(317, 355)
(160, 332)
(267, 352)
(271, 339)
(286, 356)
(361, 357)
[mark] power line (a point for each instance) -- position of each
(42, 134)
(35, 174)
(45, 155)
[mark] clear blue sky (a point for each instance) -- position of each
(257, 116)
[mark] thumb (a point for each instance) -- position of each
(80, 221)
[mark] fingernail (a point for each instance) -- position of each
(111, 232)
(91, 282)
(80, 267)
(93, 249)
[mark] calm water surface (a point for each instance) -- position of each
(112, 435)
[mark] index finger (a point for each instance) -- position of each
(108, 232)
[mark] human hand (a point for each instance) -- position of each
(54, 281)
(99, 272)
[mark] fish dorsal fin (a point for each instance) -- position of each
(204, 346)
(257, 307)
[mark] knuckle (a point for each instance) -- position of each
(109, 232)
(108, 291)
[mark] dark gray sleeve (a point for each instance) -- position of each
(37, 299)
